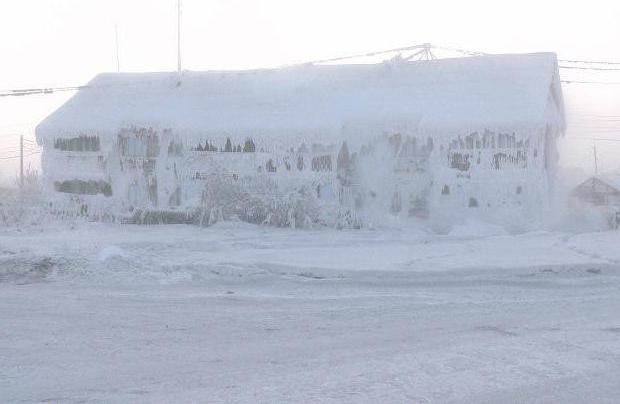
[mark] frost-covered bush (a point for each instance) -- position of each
(23, 205)
(348, 219)
(258, 200)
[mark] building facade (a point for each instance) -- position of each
(432, 140)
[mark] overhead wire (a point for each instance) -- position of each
(590, 82)
(608, 69)
(591, 62)
(18, 156)
(33, 91)
(51, 90)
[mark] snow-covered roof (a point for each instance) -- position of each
(610, 179)
(613, 180)
(498, 92)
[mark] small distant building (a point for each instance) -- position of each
(599, 190)
(602, 192)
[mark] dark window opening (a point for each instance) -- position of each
(460, 161)
(80, 143)
(322, 163)
(83, 187)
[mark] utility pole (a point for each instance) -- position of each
(428, 53)
(118, 60)
(21, 161)
(179, 41)
(595, 160)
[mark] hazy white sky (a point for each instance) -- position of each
(67, 42)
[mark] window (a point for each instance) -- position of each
(83, 187)
(80, 143)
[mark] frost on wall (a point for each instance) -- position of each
(431, 141)
(300, 181)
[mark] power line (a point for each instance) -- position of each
(18, 156)
(590, 82)
(425, 46)
(605, 69)
(469, 53)
(33, 91)
(594, 129)
(602, 118)
(368, 54)
(594, 121)
(17, 151)
(463, 51)
(9, 135)
(592, 138)
(591, 62)
(52, 90)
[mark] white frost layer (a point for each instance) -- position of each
(237, 313)
(499, 92)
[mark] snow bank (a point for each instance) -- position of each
(110, 252)
(473, 228)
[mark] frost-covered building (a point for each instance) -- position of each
(599, 190)
(600, 194)
(441, 139)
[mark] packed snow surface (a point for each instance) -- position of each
(242, 314)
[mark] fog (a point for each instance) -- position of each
(402, 227)
(65, 43)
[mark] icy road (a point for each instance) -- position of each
(240, 314)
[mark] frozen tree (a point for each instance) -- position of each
(418, 207)
(396, 205)
(343, 165)
(300, 163)
(395, 141)
(348, 219)
(228, 147)
(215, 215)
(249, 146)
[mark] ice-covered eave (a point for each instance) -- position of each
(353, 131)
(450, 96)
(558, 96)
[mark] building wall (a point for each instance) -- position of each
(445, 178)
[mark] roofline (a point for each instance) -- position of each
(554, 80)
(600, 178)
(315, 65)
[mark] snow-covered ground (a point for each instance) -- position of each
(237, 313)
